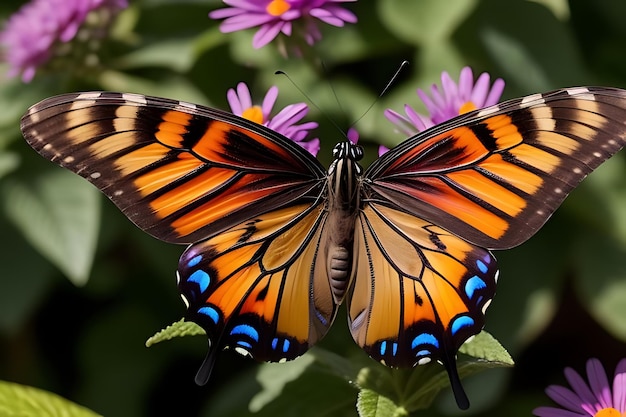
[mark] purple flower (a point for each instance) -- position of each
(282, 16)
(284, 122)
(595, 398)
(30, 35)
(455, 99)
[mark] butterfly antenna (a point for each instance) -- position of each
(392, 81)
(330, 119)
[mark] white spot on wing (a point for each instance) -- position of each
(242, 351)
(597, 154)
(424, 361)
(68, 159)
(134, 98)
(557, 190)
(532, 100)
(488, 111)
(89, 96)
(33, 113)
(581, 92)
(185, 105)
(118, 193)
(577, 170)
(95, 175)
(185, 300)
(486, 306)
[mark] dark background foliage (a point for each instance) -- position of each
(561, 297)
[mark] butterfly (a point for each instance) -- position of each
(277, 242)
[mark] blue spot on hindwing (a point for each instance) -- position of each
(383, 347)
(473, 284)
(285, 346)
(425, 339)
(246, 330)
(423, 352)
(194, 261)
(243, 343)
(482, 266)
(210, 312)
(461, 322)
(201, 278)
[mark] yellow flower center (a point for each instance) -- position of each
(608, 412)
(254, 114)
(277, 7)
(467, 107)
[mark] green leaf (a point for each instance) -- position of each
(485, 346)
(9, 161)
(174, 87)
(315, 393)
(372, 404)
(415, 389)
(274, 377)
(516, 60)
(59, 215)
(20, 400)
(180, 328)
(424, 21)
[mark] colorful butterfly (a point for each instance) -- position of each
(277, 242)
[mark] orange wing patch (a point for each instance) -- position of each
(419, 291)
(253, 287)
(494, 176)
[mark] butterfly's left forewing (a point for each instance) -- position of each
(180, 171)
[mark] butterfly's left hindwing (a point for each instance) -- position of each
(419, 293)
(260, 288)
(180, 171)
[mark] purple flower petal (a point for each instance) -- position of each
(480, 90)
(496, 92)
(269, 101)
(599, 383)
(266, 34)
(619, 392)
(466, 85)
(30, 35)
(272, 20)
(579, 386)
(353, 135)
(564, 397)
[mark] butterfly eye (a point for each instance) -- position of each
(356, 152)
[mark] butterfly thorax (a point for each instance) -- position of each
(344, 178)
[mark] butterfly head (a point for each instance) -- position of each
(348, 150)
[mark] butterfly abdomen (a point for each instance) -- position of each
(344, 178)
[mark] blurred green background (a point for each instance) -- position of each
(561, 297)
